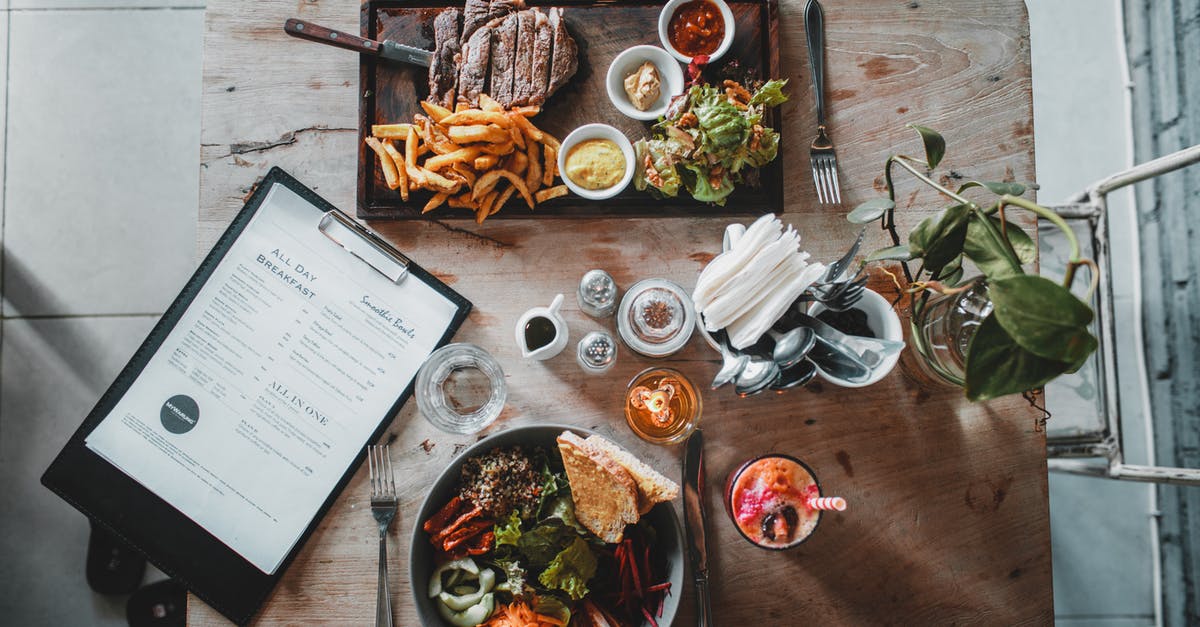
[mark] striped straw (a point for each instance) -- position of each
(827, 502)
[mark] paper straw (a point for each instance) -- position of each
(827, 502)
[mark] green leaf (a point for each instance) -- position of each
(935, 145)
(1043, 317)
(571, 569)
(509, 532)
(939, 239)
(897, 253)
(999, 189)
(871, 210)
(952, 273)
(998, 366)
(990, 254)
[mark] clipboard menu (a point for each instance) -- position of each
(246, 411)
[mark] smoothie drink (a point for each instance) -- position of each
(770, 501)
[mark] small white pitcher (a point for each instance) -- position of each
(545, 328)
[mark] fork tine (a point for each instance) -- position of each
(826, 188)
(391, 474)
(371, 467)
(817, 181)
(837, 190)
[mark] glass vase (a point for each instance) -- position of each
(943, 326)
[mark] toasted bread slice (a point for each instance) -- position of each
(653, 487)
(605, 494)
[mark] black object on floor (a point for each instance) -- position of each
(112, 567)
(162, 604)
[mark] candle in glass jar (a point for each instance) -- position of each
(662, 406)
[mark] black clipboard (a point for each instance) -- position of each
(170, 540)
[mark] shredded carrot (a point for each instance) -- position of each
(519, 614)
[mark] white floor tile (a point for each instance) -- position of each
(103, 160)
(54, 371)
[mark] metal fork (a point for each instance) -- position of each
(824, 159)
(383, 508)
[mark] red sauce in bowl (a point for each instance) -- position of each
(696, 27)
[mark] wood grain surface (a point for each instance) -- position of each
(392, 93)
(948, 519)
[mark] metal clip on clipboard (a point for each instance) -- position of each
(364, 244)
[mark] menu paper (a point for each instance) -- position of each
(271, 382)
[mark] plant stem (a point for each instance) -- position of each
(1076, 259)
(903, 161)
(889, 221)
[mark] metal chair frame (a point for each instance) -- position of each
(1091, 206)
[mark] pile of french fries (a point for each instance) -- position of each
(470, 158)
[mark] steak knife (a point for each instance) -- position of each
(386, 49)
(693, 518)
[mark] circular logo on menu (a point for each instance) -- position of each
(180, 414)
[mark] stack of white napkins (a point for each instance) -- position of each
(745, 289)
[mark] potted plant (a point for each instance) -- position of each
(1004, 331)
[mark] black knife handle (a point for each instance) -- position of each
(321, 34)
(814, 31)
(704, 615)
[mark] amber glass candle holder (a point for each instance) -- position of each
(662, 406)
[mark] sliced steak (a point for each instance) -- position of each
(443, 70)
(543, 47)
(475, 15)
(501, 8)
(565, 60)
(523, 72)
(473, 65)
(504, 49)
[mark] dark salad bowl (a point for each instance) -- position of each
(669, 539)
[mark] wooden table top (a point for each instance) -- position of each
(948, 519)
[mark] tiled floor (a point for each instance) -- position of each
(101, 150)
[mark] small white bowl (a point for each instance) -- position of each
(669, 73)
(596, 131)
(664, 19)
(884, 322)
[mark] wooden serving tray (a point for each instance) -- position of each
(392, 93)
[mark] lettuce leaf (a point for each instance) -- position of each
(770, 94)
(542, 543)
(547, 605)
(722, 125)
(563, 508)
(508, 533)
(571, 569)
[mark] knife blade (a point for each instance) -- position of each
(694, 522)
(386, 49)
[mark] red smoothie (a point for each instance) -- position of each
(767, 498)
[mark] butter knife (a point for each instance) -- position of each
(386, 49)
(693, 518)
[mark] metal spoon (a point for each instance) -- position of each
(756, 376)
(733, 364)
(869, 351)
(799, 374)
(792, 346)
(838, 361)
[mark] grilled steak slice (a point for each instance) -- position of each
(565, 60)
(473, 65)
(475, 15)
(443, 71)
(501, 8)
(523, 72)
(543, 47)
(504, 48)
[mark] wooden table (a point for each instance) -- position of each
(948, 518)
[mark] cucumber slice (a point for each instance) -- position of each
(472, 616)
(464, 597)
(456, 568)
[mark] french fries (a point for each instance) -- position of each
(473, 158)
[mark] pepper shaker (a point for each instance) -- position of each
(597, 352)
(597, 294)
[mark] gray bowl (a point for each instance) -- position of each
(421, 560)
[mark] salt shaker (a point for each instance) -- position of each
(597, 294)
(597, 352)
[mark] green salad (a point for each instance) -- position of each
(710, 140)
